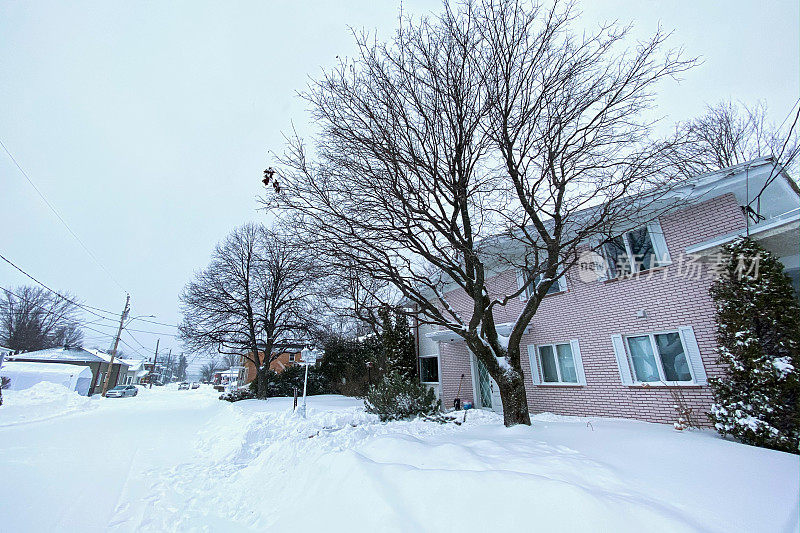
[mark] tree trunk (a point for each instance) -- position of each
(515, 400)
(262, 381)
(509, 381)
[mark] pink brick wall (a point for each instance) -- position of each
(592, 312)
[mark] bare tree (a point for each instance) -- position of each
(230, 360)
(32, 318)
(256, 290)
(488, 138)
(728, 135)
(208, 370)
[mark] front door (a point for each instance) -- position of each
(487, 393)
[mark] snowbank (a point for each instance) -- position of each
(341, 469)
(183, 461)
(42, 401)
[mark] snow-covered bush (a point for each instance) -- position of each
(396, 397)
(237, 394)
(758, 399)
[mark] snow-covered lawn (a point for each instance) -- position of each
(171, 460)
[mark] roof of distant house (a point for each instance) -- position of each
(133, 364)
(62, 354)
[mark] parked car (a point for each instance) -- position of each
(121, 391)
(195, 385)
(183, 386)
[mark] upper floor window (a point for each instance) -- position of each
(636, 250)
(291, 358)
(559, 285)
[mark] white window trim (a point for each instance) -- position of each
(657, 241)
(537, 375)
(438, 365)
(690, 352)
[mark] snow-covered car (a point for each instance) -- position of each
(121, 391)
(183, 386)
(195, 385)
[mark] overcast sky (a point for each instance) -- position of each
(147, 124)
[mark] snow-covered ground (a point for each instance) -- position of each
(170, 460)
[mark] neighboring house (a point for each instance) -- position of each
(136, 371)
(227, 377)
(286, 355)
(97, 361)
(621, 346)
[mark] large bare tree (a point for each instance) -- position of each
(32, 318)
(253, 296)
(487, 138)
(729, 134)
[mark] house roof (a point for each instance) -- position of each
(133, 364)
(61, 354)
(46, 368)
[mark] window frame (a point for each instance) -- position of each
(540, 366)
(657, 356)
(659, 261)
(438, 369)
(560, 283)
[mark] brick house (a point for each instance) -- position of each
(619, 346)
(287, 354)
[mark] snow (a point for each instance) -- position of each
(170, 460)
(42, 401)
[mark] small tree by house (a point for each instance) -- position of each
(344, 365)
(758, 399)
(399, 394)
(397, 398)
(398, 343)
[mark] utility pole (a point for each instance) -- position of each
(116, 341)
(155, 363)
(169, 367)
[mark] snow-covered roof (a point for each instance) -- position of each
(61, 354)
(45, 368)
(133, 364)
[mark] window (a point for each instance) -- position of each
(558, 363)
(429, 369)
(636, 250)
(659, 357)
(560, 285)
(291, 358)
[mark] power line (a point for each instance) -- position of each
(73, 302)
(53, 209)
(78, 324)
(159, 323)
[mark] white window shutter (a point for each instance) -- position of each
(659, 243)
(562, 283)
(534, 361)
(693, 354)
(576, 357)
(597, 247)
(622, 359)
(520, 283)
